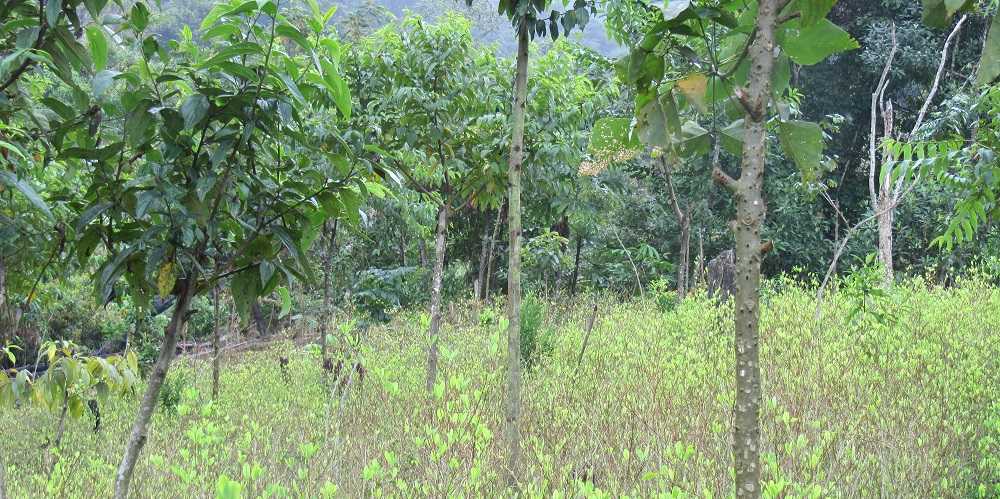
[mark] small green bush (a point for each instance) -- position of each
(536, 340)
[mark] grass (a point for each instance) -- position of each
(853, 407)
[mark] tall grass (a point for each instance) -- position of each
(905, 404)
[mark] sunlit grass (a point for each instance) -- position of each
(908, 407)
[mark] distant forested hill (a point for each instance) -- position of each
(488, 27)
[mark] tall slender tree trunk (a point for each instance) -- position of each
(440, 240)
(750, 210)
(684, 266)
(483, 255)
(140, 427)
(576, 266)
(492, 253)
(326, 316)
(216, 343)
(885, 219)
(512, 428)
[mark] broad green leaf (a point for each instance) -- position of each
(94, 7)
(89, 215)
(938, 13)
(9, 179)
(803, 143)
(292, 33)
(815, 43)
(239, 49)
(98, 47)
(292, 87)
(139, 15)
(338, 88)
(286, 301)
(194, 110)
(989, 65)
(52, 10)
(244, 287)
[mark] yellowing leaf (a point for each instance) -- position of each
(693, 87)
(165, 279)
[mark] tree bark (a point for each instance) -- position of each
(683, 269)
(576, 266)
(750, 210)
(489, 260)
(140, 427)
(885, 217)
(324, 329)
(440, 240)
(512, 429)
(483, 255)
(216, 343)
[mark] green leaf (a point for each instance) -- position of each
(338, 88)
(89, 215)
(139, 15)
(815, 43)
(292, 245)
(938, 13)
(989, 65)
(98, 46)
(194, 110)
(52, 10)
(94, 7)
(803, 143)
(286, 302)
(292, 87)
(239, 49)
(292, 33)
(244, 287)
(9, 179)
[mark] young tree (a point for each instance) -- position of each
(436, 94)
(204, 168)
(747, 49)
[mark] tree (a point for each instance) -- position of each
(741, 70)
(436, 96)
(206, 167)
(525, 16)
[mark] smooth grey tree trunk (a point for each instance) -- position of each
(749, 252)
(140, 427)
(512, 421)
(885, 218)
(440, 240)
(684, 266)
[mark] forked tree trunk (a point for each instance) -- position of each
(216, 343)
(140, 427)
(750, 210)
(440, 240)
(512, 429)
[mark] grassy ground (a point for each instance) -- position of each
(905, 404)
